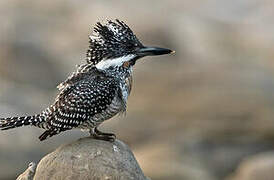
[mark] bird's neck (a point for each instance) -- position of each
(119, 73)
(124, 79)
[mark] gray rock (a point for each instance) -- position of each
(88, 158)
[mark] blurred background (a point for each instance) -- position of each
(203, 113)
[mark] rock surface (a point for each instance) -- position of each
(259, 166)
(87, 158)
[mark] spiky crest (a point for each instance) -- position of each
(111, 40)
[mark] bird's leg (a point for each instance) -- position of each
(104, 134)
(96, 134)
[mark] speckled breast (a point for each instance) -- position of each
(114, 108)
(117, 105)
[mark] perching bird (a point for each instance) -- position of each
(98, 89)
(29, 173)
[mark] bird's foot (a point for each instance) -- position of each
(96, 134)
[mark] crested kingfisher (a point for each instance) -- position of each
(98, 89)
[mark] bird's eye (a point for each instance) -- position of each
(131, 46)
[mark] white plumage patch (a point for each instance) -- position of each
(105, 64)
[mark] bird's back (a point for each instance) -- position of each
(85, 101)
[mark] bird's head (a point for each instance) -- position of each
(115, 45)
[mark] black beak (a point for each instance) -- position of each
(153, 51)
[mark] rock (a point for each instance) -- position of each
(29, 173)
(88, 158)
(256, 167)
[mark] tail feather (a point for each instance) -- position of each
(14, 122)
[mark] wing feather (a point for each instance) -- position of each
(80, 101)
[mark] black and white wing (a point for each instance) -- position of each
(79, 102)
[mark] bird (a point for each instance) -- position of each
(98, 89)
(29, 172)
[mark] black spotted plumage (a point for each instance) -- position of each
(79, 103)
(97, 90)
(88, 96)
(111, 40)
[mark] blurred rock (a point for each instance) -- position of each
(260, 166)
(88, 158)
(164, 162)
